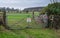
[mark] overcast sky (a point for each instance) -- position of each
(23, 3)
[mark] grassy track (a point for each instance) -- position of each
(29, 33)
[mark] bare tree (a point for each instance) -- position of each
(53, 1)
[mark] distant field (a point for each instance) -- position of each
(16, 20)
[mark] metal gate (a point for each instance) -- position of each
(19, 21)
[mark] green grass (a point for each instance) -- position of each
(20, 19)
(40, 33)
(9, 34)
(34, 33)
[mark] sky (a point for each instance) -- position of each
(21, 4)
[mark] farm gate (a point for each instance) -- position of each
(22, 21)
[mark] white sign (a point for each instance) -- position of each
(28, 19)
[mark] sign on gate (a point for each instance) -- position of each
(28, 19)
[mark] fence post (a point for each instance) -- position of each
(33, 14)
(4, 20)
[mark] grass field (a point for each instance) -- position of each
(19, 21)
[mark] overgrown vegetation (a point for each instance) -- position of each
(53, 10)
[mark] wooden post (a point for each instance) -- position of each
(33, 14)
(4, 20)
